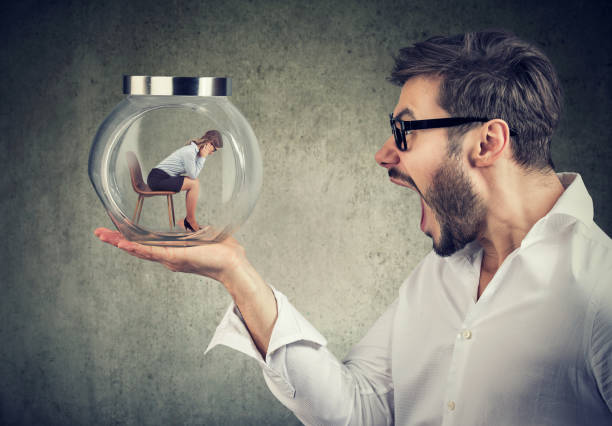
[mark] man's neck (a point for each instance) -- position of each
(514, 206)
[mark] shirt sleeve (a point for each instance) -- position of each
(192, 161)
(308, 379)
(601, 339)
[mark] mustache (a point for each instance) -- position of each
(397, 174)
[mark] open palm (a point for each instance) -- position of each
(216, 261)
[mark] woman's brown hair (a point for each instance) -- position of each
(212, 136)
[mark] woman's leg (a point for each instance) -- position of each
(192, 186)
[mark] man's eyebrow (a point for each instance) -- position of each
(406, 111)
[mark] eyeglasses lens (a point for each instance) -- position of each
(398, 133)
(399, 138)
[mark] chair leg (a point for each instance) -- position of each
(173, 217)
(170, 215)
(136, 214)
(140, 209)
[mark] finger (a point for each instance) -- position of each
(101, 230)
(156, 254)
(159, 255)
(108, 236)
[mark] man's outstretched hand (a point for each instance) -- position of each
(218, 261)
(225, 262)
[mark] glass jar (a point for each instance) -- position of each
(163, 123)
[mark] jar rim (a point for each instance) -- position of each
(176, 86)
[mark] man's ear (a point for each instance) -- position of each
(494, 140)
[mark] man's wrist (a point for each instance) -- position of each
(240, 278)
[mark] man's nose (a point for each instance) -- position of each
(387, 156)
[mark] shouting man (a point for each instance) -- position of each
(508, 320)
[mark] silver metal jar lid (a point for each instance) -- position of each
(176, 86)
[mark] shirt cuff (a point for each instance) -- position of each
(290, 327)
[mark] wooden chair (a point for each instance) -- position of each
(143, 190)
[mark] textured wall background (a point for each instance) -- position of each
(92, 336)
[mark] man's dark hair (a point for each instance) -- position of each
(492, 74)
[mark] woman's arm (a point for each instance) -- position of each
(192, 161)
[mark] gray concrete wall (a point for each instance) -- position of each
(90, 335)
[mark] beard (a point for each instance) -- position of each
(459, 210)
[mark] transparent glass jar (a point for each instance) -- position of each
(159, 116)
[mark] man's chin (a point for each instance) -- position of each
(446, 245)
(443, 251)
(440, 249)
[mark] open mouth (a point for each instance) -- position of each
(401, 182)
(406, 184)
(402, 179)
(396, 178)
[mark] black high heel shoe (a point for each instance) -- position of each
(188, 225)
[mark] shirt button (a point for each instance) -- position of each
(467, 334)
(451, 405)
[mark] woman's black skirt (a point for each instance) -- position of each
(158, 180)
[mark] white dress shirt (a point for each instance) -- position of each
(185, 160)
(535, 349)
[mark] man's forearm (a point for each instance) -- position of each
(256, 302)
(307, 378)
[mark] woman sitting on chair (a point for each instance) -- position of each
(179, 172)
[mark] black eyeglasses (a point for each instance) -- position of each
(405, 127)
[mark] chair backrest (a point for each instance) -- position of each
(135, 172)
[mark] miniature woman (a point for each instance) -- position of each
(179, 172)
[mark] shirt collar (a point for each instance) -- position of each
(574, 204)
(575, 200)
(195, 146)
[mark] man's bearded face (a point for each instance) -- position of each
(459, 210)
